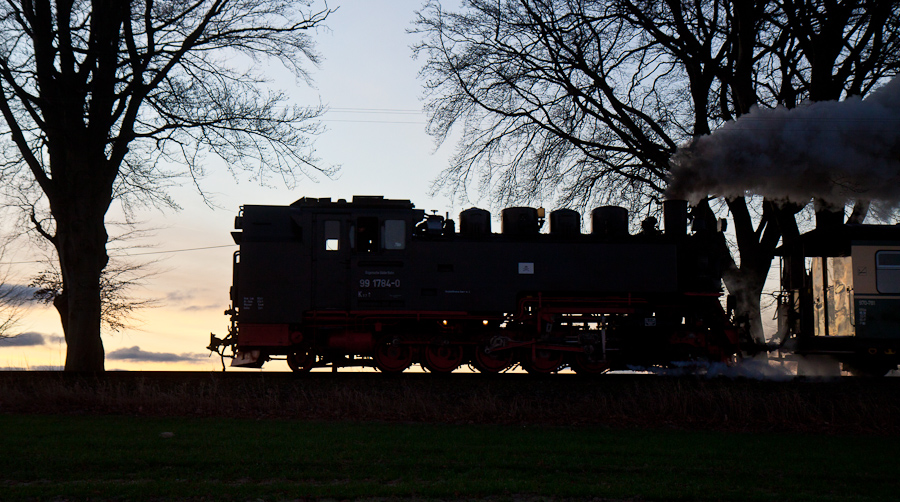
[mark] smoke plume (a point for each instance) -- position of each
(835, 151)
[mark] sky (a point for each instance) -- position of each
(374, 130)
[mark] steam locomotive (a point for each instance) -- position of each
(377, 282)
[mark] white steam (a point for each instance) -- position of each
(835, 151)
(760, 368)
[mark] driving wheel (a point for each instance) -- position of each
(442, 358)
(391, 356)
(493, 361)
(302, 360)
(542, 361)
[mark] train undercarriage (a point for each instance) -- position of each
(545, 335)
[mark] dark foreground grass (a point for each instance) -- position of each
(125, 458)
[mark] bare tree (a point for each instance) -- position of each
(587, 100)
(122, 275)
(117, 305)
(616, 86)
(556, 98)
(806, 50)
(12, 297)
(101, 98)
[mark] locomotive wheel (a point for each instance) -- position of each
(542, 361)
(442, 358)
(493, 362)
(391, 357)
(301, 361)
(584, 365)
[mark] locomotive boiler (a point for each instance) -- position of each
(377, 282)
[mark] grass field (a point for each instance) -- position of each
(128, 458)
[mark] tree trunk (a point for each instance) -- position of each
(61, 302)
(746, 287)
(81, 244)
(756, 246)
(82, 253)
(860, 210)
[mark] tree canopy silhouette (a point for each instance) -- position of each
(586, 101)
(105, 99)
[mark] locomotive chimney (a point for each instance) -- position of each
(675, 217)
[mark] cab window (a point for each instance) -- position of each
(887, 271)
(332, 235)
(394, 235)
(367, 240)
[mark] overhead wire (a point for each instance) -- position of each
(373, 111)
(128, 255)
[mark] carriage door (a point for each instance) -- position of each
(331, 262)
(832, 289)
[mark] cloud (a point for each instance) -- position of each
(195, 308)
(180, 296)
(51, 339)
(19, 291)
(135, 354)
(33, 368)
(29, 339)
(187, 300)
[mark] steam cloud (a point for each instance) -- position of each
(835, 151)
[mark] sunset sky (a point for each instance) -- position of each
(375, 132)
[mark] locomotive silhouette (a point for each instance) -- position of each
(376, 282)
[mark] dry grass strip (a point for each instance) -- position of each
(844, 405)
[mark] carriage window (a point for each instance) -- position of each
(332, 235)
(394, 234)
(887, 271)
